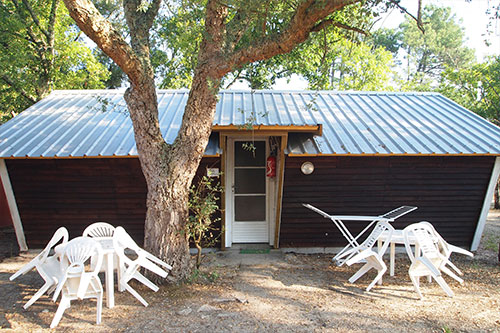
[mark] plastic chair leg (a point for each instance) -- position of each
(38, 294)
(451, 274)
(63, 305)
(141, 278)
(99, 307)
(415, 281)
(362, 271)
(382, 268)
(444, 285)
(377, 278)
(135, 294)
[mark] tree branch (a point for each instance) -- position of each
(304, 21)
(52, 22)
(35, 18)
(34, 39)
(18, 89)
(100, 30)
(417, 19)
(323, 24)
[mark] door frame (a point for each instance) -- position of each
(229, 190)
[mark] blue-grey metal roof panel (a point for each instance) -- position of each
(95, 123)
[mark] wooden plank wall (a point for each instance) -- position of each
(77, 192)
(5, 217)
(449, 192)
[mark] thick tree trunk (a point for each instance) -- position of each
(167, 196)
(169, 169)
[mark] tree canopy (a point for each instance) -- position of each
(41, 49)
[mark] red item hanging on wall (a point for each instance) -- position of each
(271, 166)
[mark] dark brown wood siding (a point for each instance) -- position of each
(77, 192)
(5, 217)
(448, 191)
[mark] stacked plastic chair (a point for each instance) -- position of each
(428, 259)
(123, 244)
(79, 282)
(47, 265)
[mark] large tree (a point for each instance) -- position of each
(235, 33)
(40, 49)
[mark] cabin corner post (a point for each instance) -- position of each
(486, 205)
(11, 201)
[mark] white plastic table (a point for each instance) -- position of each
(109, 253)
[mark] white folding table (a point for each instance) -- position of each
(339, 220)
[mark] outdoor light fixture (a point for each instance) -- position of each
(307, 168)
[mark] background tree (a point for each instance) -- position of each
(477, 88)
(40, 49)
(428, 53)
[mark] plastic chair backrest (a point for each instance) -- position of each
(373, 237)
(61, 233)
(99, 229)
(78, 253)
(424, 238)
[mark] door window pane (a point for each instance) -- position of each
(250, 208)
(244, 157)
(250, 181)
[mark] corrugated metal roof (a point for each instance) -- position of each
(95, 123)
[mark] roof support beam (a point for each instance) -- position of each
(486, 205)
(281, 175)
(11, 201)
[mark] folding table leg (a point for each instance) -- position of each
(392, 259)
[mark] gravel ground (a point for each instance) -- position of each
(278, 293)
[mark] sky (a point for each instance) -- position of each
(474, 21)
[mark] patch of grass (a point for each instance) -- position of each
(491, 242)
(200, 276)
(446, 329)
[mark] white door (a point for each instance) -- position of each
(249, 192)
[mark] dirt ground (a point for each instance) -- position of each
(277, 293)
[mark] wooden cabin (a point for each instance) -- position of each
(70, 160)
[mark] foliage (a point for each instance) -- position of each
(41, 49)
(176, 38)
(203, 204)
(477, 88)
(346, 65)
(326, 60)
(439, 46)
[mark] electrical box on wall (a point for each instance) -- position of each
(213, 172)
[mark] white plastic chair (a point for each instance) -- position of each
(447, 249)
(122, 242)
(427, 259)
(78, 281)
(99, 229)
(373, 258)
(48, 266)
